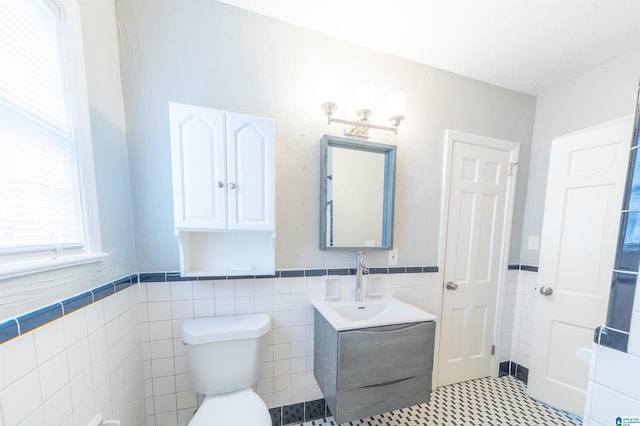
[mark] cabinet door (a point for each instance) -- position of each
(250, 172)
(198, 163)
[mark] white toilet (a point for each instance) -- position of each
(226, 355)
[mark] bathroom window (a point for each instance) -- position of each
(48, 214)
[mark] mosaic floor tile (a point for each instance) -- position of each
(501, 401)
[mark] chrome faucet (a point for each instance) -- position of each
(361, 270)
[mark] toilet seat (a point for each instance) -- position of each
(240, 408)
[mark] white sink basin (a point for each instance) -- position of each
(348, 315)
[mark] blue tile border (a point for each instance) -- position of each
(40, 317)
(76, 302)
(161, 277)
(518, 267)
(9, 330)
(15, 327)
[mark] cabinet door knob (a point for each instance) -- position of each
(220, 184)
(232, 185)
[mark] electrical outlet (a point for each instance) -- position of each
(533, 242)
(393, 257)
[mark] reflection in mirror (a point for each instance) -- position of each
(357, 182)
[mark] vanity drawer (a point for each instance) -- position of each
(368, 401)
(376, 355)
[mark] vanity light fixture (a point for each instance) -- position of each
(365, 102)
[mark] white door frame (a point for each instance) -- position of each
(498, 144)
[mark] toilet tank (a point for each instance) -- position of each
(225, 353)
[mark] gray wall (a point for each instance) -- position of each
(19, 295)
(214, 55)
(601, 94)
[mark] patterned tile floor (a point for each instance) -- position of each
(484, 402)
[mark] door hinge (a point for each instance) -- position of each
(493, 349)
(510, 168)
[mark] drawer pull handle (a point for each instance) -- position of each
(403, 327)
(392, 382)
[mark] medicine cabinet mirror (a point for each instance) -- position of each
(357, 180)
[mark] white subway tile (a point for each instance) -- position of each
(20, 354)
(185, 415)
(224, 288)
(182, 309)
(19, 400)
(179, 348)
(263, 287)
(282, 398)
(282, 367)
(281, 319)
(100, 370)
(57, 409)
(282, 286)
(265, 385)
(244, 305)
(164, 403)
(204, 308)
(298, 349)
(159, 311)
(298, 333)
(186, 399)
(78, 357)
(81, 388)
(281, 383)
(634, 333)
(159, 330)
(54, 375)
(35, 419)
(298, 365)
(164, 386)
(181, 290)
(281, 351)
(75, 327)
(181, 365)
(299, 301)
(97, 343)
(161, 348)
(225, 305)
(49, 340)
(203, 290)
(281, 335)
(298, 285)
(263, 303)
(183, 382)
(162, 367)
(244, 288)
(281, 302)
(158, 292)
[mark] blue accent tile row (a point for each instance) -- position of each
(624, 276)
(614, 339)
(9, 330)
(517, 267)
(154, 277)
(40, 317)
(32, 320)
(76, 302)
(299, 413)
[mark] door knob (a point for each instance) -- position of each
(451, 286)
(546, 291)
(232, 185)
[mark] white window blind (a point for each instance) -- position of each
(40, 203)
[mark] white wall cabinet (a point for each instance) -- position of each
(223, 191)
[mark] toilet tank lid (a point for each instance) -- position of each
(218, 329)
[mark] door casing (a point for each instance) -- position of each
(451, 136)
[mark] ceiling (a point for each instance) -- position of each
(523, 45)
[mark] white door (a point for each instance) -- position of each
(198, 166)
(480, 201)
(585, 186)
(250, 145)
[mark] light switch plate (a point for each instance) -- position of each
(393, 257)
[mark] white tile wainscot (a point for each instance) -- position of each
(66, 371)
(287, 376)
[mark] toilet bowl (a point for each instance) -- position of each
(226, 355)
(241, 408)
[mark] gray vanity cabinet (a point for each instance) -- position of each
(368, 371)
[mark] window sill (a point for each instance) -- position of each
(24, 268)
